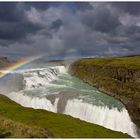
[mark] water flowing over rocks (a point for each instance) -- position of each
(53, 89)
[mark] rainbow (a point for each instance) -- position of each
(14, 66)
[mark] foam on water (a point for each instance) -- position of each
(53, 89)
(36, 78)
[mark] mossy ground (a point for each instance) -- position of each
(126, 62)
(18, 121)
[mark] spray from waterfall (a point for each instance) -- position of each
(14, 66)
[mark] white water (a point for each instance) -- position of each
(90, 105)
(36, 78)
(109, 118)
(36, 103)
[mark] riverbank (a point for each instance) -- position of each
(118, 77)
(20, 122)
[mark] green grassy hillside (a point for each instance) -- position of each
(18, 121)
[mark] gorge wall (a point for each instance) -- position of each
(118, 77)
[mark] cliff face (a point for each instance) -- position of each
(116, 77)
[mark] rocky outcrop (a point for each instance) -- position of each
(4, 62)
(120, 82)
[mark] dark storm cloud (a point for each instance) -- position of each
(45, 5)
(69, 28)
(105, 21)
(127, 30)
(38, 5)
(56, 24)
(82, 6)
(16, 30)
(9, 12)
(13, 23)
(101, 20)
(129, 7)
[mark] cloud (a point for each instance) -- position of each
(13, 23)
(16, 30)
(70, 29)
(9, 12)
(56, 24)
(132, 8)
(102, 20)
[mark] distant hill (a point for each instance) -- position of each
(4, 61)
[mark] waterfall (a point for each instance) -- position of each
(109, 118)
(35, 88)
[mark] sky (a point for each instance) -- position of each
(69, 29)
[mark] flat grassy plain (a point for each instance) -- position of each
(20, 122)
(125, 62)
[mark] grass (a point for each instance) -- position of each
(126, 62)
(10, 128)
(20, 122)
